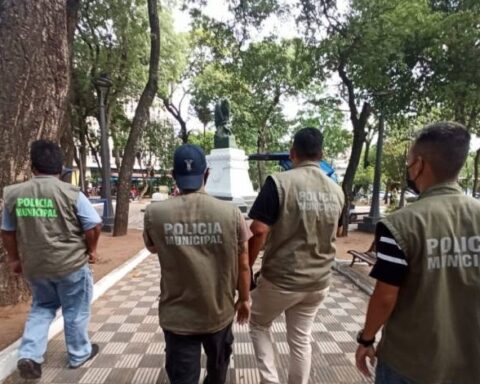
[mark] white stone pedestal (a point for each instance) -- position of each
(229, 178)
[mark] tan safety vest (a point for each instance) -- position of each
(300, 248)
(433, 334)
(50, 238)
(197, 239)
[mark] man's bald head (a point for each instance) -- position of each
(444, 146)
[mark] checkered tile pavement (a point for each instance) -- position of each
(125, 325)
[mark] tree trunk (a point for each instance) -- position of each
(347, 184)
(263, 137)
(138, 125)
(177, 114)
(359, 122)
(368, 144)
(261, 148)
(403, 185)
(204, 137)
(366, 163)
(183, 132)
(118, 160)
(401, 203)
(66, 132)
(475, 172)
(34, 78)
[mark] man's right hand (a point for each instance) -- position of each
(92, 257)
(361, 356)
(242, 307)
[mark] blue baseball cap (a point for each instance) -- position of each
(189, 165)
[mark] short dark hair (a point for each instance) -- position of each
(46, 157)
(445, 146)
(308, 143)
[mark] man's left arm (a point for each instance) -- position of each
(390, 271)
(260, 232)
(91, 224)
(91, 238)
(146, 237)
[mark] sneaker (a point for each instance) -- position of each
(29, 369)
(95, 349)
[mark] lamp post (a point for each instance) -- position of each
(377, 178)
(369, 223)
(102, 85)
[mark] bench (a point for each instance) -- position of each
(358, 217)
(370, 257)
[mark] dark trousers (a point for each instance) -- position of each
(183, 354)
(386, 375)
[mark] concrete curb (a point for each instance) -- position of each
(342, 267)
(9, 356)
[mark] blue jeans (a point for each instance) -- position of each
(386, 375)
(73, 293)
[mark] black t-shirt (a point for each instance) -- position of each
(391, 266)
(267, 205)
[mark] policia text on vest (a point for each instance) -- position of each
(453, 252)
(193, 233)
(34, 207)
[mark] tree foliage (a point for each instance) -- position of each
(139, 123)
(407, 59)
(255, 77)
(324, 114)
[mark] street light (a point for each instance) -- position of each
(370, 222)
(102, 85)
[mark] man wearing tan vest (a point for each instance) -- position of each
(299, 210)
(427, 296)
(202, 247)
(50, 232)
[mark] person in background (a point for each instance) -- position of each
(299, 210)
(202, 248)
(50, 232)
(427, 296)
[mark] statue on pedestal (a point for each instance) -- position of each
(224, 137)
(228, 166)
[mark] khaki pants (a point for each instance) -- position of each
(269, 302)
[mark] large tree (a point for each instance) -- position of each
(140, 120)
(34, 78)
(450, 71)
(110, 38)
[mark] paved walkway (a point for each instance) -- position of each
(125, 325)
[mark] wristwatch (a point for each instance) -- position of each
(363, 342)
